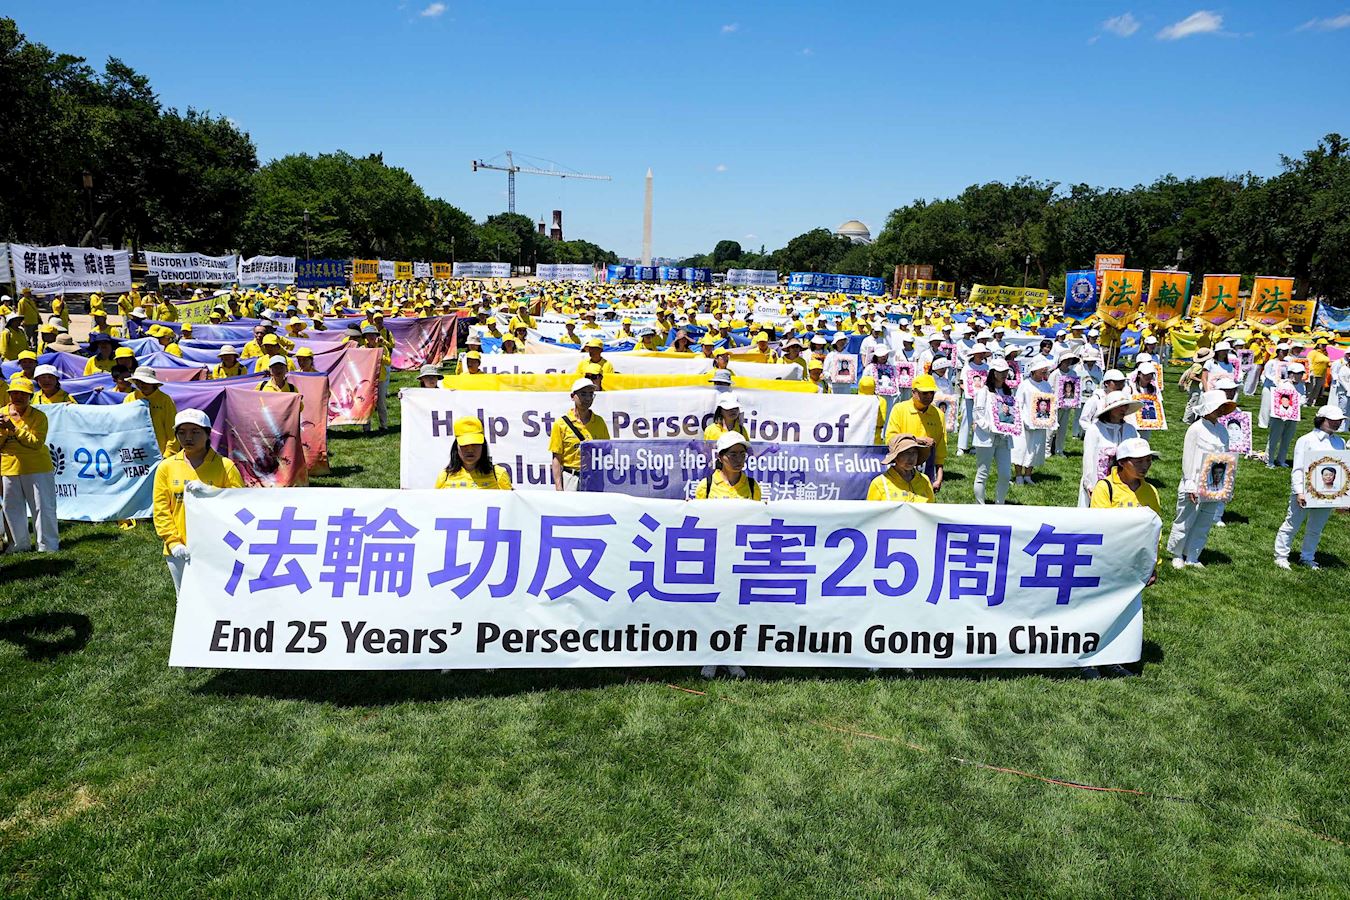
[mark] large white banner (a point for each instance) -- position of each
(752, 276)
(482, 270)
(192, 268)
(518, 424)
(532, 363)
(421, 270)
(385, 269)
(70, 270)
(267, 270)
(334, 578)
(565, 272)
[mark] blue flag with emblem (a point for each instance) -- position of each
(104, 459)
(1080, 294)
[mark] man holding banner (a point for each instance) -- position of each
(574, 426)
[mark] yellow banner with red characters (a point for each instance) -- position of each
(440, 271)
(1268, 308)
(1119, 296)
(365, 271)
(1169, 293)
(1218, 305)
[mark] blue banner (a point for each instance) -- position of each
(673, 469)
(836, 284)
(319, 273)
(104, 458)
(1080, 294)
(1333, 318)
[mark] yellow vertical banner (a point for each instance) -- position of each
(1268, 308)
(403, 271)
(1218, 304)
(1302, 313)
(1120, 294)
(440, 271)
(365, 271)
(1168, 295)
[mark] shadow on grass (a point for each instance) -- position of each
(38, 565)
(1235, 518)
(343, 471)
(355, 433)
(88, 537)
(1214, 557)
(23, 631)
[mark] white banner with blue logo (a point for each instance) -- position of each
(315, 578)
(104, 459)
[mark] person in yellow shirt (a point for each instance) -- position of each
(595, 349)
(470, 464)
(792, 353)
(1125, 487)
(370, 339)
(48, 381)
(99, 324)
(569, 430)
(28, 310)
(61, 311)
(96, 307)
(26, 470)
(596, 373)
(13, 340)
(919, 417)
(164, 334)
(102, 360)
(165, 311)
(229, 365)
(815, 369)
(1318, 363)
(728, 480)
(304, 360)
(162, 408)
(197, 468)
(28, 361)
(726, 419)
(867, 387)
(903, 482)
(46, 337)
(276, 381)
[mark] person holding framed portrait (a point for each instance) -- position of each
(1033, 395)
(1195, 516)
(973, 373)
(1102, 436)
(1287, 399)
(1272, 373)
(996, 424)
(1316, 443)
(1064, 381)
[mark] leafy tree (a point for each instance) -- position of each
(726, 252)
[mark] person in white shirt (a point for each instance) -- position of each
(1272, 373)
(1320, 440)
(1282, 430)
(1102, 435)
(1340, 385)
(1114, 380)
(991, 446)
(1029, 446)
(1066, 408)
(931, 351)
(977, 360)
(1219, 366)
(1230, 389)
(1144, 380)
(942, 371)
(1195, 518)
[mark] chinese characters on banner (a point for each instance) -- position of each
(911, 287)
(70, 270)
(267, 270)
(365, 271)
(1121, 296)
(1268, 308)
(1218, 303)
(387, 270)
(387, 579)
(421, 270)
(440, 271)
(1169, 294)
(322, 273)
(403, 271)
(1302, 312)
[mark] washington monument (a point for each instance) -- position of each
(647, 223)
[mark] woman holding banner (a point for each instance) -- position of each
(470, 464)
(1035, 403)
(26, 470)
(903, 482)
(102, 360)
(726, 419)
(728, 481)
(199, 469)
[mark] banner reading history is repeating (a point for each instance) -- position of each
(267, 270)
(565, 272)
(385, 579)
(70, 270)
(1169, 295)
(1268, 308)
(482, 270)
(752, 277)
(518, 424)
(1001, 295)
(836, 284)
(104, 459)
(191, 268)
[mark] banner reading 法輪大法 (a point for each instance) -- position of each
(518, 424)
(673, 469)
(267, 270)
(1002, 295)
(386, 579)
(104, 459)
(482, 270)
(70, 270)
(191, 268)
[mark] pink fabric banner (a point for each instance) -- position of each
(261, 432)
(351, 380)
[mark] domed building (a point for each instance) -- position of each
(855, 231)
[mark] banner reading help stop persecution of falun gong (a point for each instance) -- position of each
(518, 423)
(383, 579)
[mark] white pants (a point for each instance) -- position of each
(1084, 495)
(35, 494)
(1263, 415)
(1251, 380)
(1000, 454)
(176, 567)
(966, 418)
(1277, 443)
(1029, 447)
(1312, 534)
(1190, 528)
(571, 481)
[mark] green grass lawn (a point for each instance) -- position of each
(123, 777)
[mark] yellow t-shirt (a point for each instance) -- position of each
(606, 367)
(890, 486)
(905, 419)
(564, 442)
(715, 431)
(499, 480)
(1112, 493)
(96, 365)
(61, 397)
(221, 371)
(172, 474)
(162, 413)
(25, 451)
(744, 489)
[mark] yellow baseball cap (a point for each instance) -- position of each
(469, 431)
(304, 351)
(20, 385)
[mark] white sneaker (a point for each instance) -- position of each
(708, 671)
(1313, 565)
(1282, 563)
(1221, 524)
(1178, 562)
(1195, 564)
(736, 672)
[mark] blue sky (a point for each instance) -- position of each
(760, 121)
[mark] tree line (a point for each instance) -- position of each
(91, 156)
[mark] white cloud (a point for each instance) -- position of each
(1201, 22)
(433, 10)
(1331, 23)
(807, 51)
(1121, 26)
(728, 29)
(751, 237)
(721, 167)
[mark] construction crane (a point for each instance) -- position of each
(511, 169)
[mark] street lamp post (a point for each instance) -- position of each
(306, 235)
(89, 202)
(1026, 271)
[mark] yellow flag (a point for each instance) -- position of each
(1168, 295)
(1301, 313)
(365, 271)
(1268, 308)
(403, 271)
(440, 271)
(1121, 294)
(1218, 304)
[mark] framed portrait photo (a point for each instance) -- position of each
(1007, 418)
(904, 374)
(1246, 358)
(946, 403)
(885, 378)
(1238, 423)
(1286, 403)
(1326, 480)
(1068, 391)
(972, 380)
(1042, 411)
(1218, 472)
(1151, 416)
(1106, 460)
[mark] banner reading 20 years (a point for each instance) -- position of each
(316, 578)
